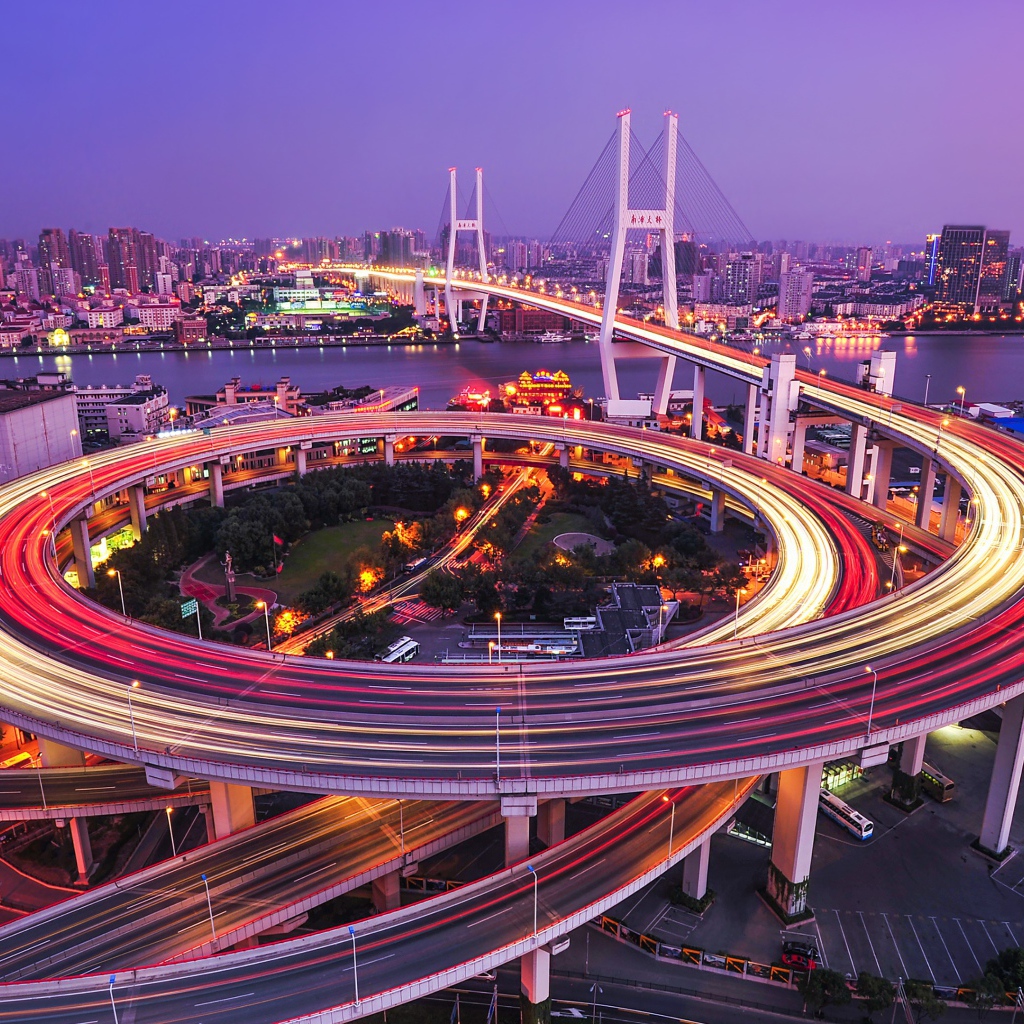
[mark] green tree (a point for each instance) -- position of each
(877, 993)
(1008, 967)
(984, 993)
(823, 987)
(924, 1003)
(443, 590)
(329, 589)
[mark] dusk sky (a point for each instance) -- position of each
(855, 122)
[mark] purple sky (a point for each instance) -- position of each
(854, 122)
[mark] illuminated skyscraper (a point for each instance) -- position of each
(931, 260)
(992, 284)
(960, 258)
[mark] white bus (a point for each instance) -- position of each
(411, 567)
(403, 649)
(844, 815)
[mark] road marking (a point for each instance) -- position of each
(226, 999)
(897, 945)
(821, 945)
(942, 939)
(871, 945)
(969, 946)
(910, 921)
(990, 939)
(483, 920)
(26, 949)
(583, 871)
(1006, 925)
(842, 931)
(92, 789)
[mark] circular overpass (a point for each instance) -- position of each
(943, 647)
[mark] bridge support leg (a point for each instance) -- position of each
(717, 511)
(697, 415)
(799, 439)
(82, 548)
(551, 822)
(57, 755)
(387, 893)
(137, 506)
(925, 493)
(881, 470)
(749, 419)
(1005, 781)
(300, 462)
(855, 465)
(216, 484)
(79, 828)
(906, 779)
(389, 450)
(535, 986)
(796, 811)
(232, 808)
(695, 871)
(950, 508)
(517, 812)
(478, 457)
(563, 455)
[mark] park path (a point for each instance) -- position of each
(207, 593)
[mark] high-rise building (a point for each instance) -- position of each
(742, 279)
(864, 261)
(795, 290)
(931, 259)
(146, 255)
(992, 282)
(960, 257)
(53, 248)
(1014, 273)
(85, 259)
(123, 259)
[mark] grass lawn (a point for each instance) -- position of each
(543, 534)
(325, 550)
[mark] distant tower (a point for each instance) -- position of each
(476, 225)
(661, 221)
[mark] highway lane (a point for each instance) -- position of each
(426, 947)
(258, 878)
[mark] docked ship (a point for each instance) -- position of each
(551, 337)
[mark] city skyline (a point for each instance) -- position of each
(226, 134)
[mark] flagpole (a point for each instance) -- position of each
(199, 622)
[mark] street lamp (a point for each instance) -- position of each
(874, 687)
(490, 650)
(927, 385)
(355, 964)
(962, 392)
(120, 587)
(92, 479)
(736, 621)
(209, 906)
(497, 616)
(113, 1007)
(133, 685)
(595, 988)
(536, 879)
(266, 615)
(671, 822)
(497, 744)
(170, 829)
(895, 559)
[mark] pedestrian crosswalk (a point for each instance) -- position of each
(412, 612)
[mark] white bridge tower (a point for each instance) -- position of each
(453, 305)
(626, 219)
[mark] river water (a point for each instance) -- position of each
(991, 367)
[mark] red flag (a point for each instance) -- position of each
(277, 540)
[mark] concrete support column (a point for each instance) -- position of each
(796, 811)
(389, 450)
(517, 812)
(478, 456)
(419, 295)
(535, 986)
(57, 755)
(855, 463)
(950, 508)
(233, 808)
(79, 828)
(82, 548)
(925, 493)
(216, 484)
(881, 470)
(762, 426)
(387, 892)
(695, 871)
(749, 419)
(563, 455)
(551, 822)
(717, 511)
(1005, 781)
(300, 462)
(906, 779)
(137, 506)
(697, 418)
(799, 440)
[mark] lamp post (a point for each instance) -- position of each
(536, 878)
(92, 479)
(874, 687)
(120, 587)
(39, 772)
(401, 828)
(962, 392)
(209, 905)
(355, 964)
(133, 685)
(490, 651)
(497, 743)
(927, 385)
(595, 988)
(895, 558)
(671, 823)
(170, 829)
(497, 616)
(266, 615)
(113, 1006)
(736, 620)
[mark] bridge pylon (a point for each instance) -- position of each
(626, 219)
(458, 224)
